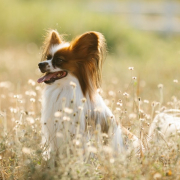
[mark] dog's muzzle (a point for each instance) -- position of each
(43, 66)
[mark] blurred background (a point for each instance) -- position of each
(140, 34)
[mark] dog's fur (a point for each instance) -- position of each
(73, 77)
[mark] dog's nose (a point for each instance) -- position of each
(42, 65)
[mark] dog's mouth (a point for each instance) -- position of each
(52, 77)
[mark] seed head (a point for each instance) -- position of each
(32, 100)
(111, 93)
(160, 86)
(31, 82)
(57, 114)
(68, 110)
(131, 68)
(73, 84)
(80, 108)
(83, 100)
(126, 95)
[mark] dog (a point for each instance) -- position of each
(165, 125)
(72, 79)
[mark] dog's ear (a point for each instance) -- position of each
(88, 43)
(89, 50)
(55, 38)
(52, 38)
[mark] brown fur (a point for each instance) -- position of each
(83, 58)
(52, 37)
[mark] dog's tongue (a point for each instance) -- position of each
(46, 77)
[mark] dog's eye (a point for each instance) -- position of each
(59, 60)
(49, 57)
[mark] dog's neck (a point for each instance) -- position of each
(62, 94)
(66, 90)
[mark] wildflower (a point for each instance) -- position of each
(68, 110)
(30, 93)
(157, 176)
(32, 100)
(153, 104)
(77, 142)
(175, 81)
(20, 101)
(111, 160)
(38, 88)
(104, 135)
(160, 86)
(80, 108)
(131, 68)
(30, 119)
(5, 84)
(59, 135)
(83, 100)
(16, 96)
(107, 149)
(111, 93)
(31, 82)
(3, 96)
(99, 90)
(119, 104)
(73, 84)
(92, 149)
(132, 116)
(13, 110)
(65, 118)
(126, 95)
(57, 114)
(146, 101)
(26, 150)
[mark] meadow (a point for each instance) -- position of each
(140, 79)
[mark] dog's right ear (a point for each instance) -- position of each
(52, 38)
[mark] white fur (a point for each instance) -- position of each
(59, 95)
(50, 67)
(61, 90)
(57, 47)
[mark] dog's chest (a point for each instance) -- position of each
(56, 98)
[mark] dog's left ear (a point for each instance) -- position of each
(89, 50)
(88, 43)
(52, 38)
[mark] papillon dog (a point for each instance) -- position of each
(72, 80)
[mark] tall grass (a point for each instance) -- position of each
(21, 154)
(133, 95)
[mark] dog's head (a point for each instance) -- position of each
(81, 58)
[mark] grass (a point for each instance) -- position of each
(131, 94)
(20, 150)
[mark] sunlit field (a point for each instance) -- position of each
(140, 79)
